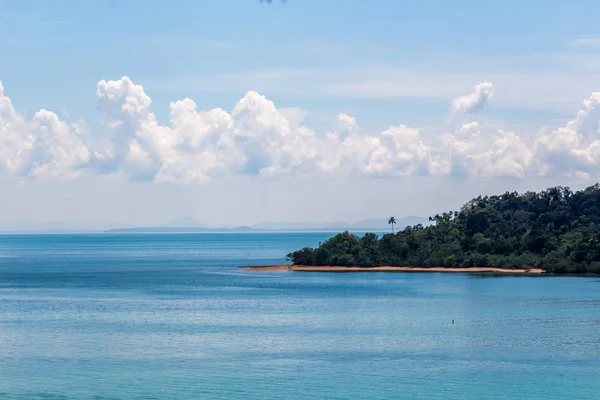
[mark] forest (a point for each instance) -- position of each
(556, 230)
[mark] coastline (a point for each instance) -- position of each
(304, 268)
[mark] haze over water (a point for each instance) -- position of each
(172, 317)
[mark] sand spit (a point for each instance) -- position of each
(303, 268)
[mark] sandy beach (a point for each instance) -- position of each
(303, 268)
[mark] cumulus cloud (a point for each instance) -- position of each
(470, 152)
(468, 104)
(398, 151)
(257, 138)
(43, 147)
(574, 147)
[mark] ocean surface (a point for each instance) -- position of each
(172, 317)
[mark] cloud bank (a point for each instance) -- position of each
(257, 138)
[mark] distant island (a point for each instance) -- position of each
(555, 231)
(189, 225)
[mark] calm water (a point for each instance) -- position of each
(170, 317)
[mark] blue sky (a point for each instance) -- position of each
(58, 50)
(385, 63)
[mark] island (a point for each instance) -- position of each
(553, 231)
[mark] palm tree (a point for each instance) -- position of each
(392, 221)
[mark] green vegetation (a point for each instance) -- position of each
(556, 230)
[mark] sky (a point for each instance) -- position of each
(235, 112)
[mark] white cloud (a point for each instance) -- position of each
(397, 151)
(294, 115)
(475, 101)
(469, 151)
(574, 147)
(257, 138)
(44, 147)
(508, 155)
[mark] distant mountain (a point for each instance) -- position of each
(189, 225)
(300, 225)
(368, 224)
(184, 229)
(186, 222)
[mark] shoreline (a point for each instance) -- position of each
(304, 268)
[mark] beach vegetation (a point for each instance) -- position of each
(557, 230)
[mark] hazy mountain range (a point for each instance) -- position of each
(190, 225)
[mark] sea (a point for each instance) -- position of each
(111, 317)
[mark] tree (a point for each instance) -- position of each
(392, 221)
(556, 230)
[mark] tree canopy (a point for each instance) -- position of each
(556, 230)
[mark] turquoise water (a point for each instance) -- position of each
(171, 317)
